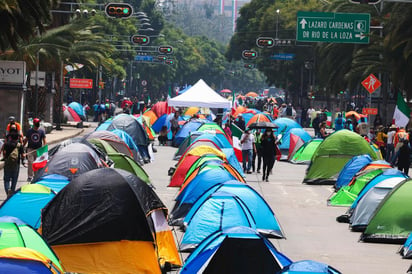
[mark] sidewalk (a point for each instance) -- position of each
(57, 136)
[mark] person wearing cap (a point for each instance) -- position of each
(35, 139)
(12, 121)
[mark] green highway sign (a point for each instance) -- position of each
(333, 27)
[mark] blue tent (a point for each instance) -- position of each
(207, 177)
(265, 219)
(55, 182)
(78, 108)
(130, 143)
(406, 250)
(185, 131)
(285, 124)
(351, 168)
(26, 204)
(235, 250)
(181, 91)
(217, 211)
(298, 131)
(308, 267)
(186, 143)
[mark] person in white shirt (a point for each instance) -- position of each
(390, 147)
(247, 140)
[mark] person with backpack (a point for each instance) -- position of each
(13, 153)
(35, 139)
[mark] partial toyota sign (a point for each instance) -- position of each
(12, 72)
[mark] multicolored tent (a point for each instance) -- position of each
(333, 154)
(115, 141)
(112, 215)
(26, 260)
(367, 204)
(228, 251)
(15, 233)
(352, 167)
(391, 222)
(304, 154)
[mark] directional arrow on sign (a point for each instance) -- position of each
(360, 36)
(303, 23)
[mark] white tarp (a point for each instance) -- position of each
(200, 95)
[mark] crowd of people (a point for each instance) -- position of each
(17, 148)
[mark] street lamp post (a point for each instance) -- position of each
(277, 23)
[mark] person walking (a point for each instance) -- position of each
(247, 140)
(35, 139)
(258, 153)
(404, 155)
(268, 147)
(13, 153)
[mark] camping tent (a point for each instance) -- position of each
(207, 178)
(309, 267)
(112, 215)
(391, 221)
(71, 161)
(332, 155)
(200, 95)
(115, 141)
(406, 250)
(70, 114)
(186, 130)
(304, 154)
(26, 260)
(369, 202)
(78, 108)
(235, 250)
(266, 221)
(15, 233)
(351, 168)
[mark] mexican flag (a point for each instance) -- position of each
(402, 112)
(236, 134)
(42, 157)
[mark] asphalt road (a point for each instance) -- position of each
(308, 223)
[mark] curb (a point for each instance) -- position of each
(54, 142)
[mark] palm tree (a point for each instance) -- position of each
(19, 19)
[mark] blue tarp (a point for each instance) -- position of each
(351, 168)
(229, 251)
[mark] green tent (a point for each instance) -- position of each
(346, 195)
(304, 154)
(124, 162)
(15, 233)
(211, 127)
(121, 160)
(332, 155)
(392, 220)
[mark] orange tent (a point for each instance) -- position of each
(251, 94)
(239, 110)
(192, 110)
(258, 118)
(151, 115)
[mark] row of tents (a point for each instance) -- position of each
(91, 209)
(226, 223)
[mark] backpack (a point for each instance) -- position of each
(289, 111)
(13, 157)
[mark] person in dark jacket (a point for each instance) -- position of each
(268, 149)
(404, 157)
(12, 166)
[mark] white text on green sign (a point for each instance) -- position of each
(333, 27)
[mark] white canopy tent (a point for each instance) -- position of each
(200, 95)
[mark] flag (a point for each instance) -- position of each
(234, 103)
(42, 157)
(236, 135)
(402, 112)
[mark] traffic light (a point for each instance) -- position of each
(161, 58)
(265, 42)
(249, 54)
(165, 50)
(141, 40)
(119, 10)
(370, 2)
(169, 61)
(248, 66)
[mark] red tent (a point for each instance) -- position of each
(161, 108)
